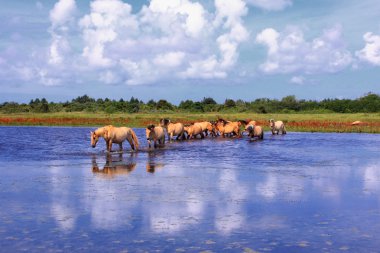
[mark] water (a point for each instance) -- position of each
(302, 192)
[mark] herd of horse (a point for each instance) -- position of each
(157, 134)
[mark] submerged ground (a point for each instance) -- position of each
(302, 192)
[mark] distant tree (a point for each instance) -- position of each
(208, 101)
(83, 99)
(186, 105)
(162, 104)
(229, 103)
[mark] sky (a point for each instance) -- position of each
(188, 49)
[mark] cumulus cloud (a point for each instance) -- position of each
(270, 5)
(164, 40)
(62, 12)
(371, 51)
(289, 52)
(60, 16)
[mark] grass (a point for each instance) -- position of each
(332, 122)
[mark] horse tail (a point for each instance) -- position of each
(135, 139)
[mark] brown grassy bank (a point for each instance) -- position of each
(294, 122)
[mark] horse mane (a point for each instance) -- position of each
(165, 121)
(245, 122)
(150, 127)
(222, 120)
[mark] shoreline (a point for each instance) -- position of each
(338, 123)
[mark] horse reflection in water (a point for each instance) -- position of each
(151, 164)
(114, 166)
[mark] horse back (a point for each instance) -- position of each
(176, 128)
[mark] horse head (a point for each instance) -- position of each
(164, 122)
(94, 139)
(271, 122)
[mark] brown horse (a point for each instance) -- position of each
(246, 123)
(173, 129)
(193, 130)
(255, 131)
(228, 127)
(155, 134)
(119, 135)
(207, 128)
(97, 134)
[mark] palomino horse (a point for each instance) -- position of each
(255, 131)
(246, 123)
(277, 127)
(155, 134)
(174, 129)
(228, 127)
(193, 130)
(119, 135)
(97, 134)
(113, 134)
(207, 128)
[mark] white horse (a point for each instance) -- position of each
(277, 127)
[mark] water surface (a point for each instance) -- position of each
(302, 192)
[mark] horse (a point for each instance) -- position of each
(277, 126)
(247, 122)
(228, 127)
(155, 134)
(193, 130)
(255, 131)
(207, 128)
(97, 134)
(173, 129)
(119, 135)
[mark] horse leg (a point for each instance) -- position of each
(120, 146)
(109, 146)
(202, 135)
(129, 139)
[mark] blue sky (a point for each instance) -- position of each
(187, 49)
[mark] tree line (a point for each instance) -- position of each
(289, 104)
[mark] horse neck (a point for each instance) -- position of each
(99, 131)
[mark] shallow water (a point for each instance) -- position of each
(302, 192)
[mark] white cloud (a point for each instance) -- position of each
(165, 40)
(297, 80)
(270, 5)
(371, 51)
(288, 52)
(60, 16)
(62, 12)
(171, 59)
(109, 77)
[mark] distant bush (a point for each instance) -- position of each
(369, 103)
